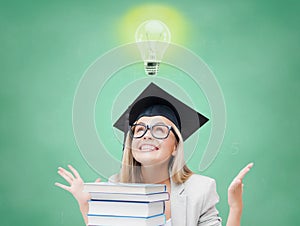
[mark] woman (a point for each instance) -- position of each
(153, 153)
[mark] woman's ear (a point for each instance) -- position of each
(174, 152)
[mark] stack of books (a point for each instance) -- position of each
(126, 204)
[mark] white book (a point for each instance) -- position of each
(130, 188)
(154, 197)
(125, 221)
(121, 208)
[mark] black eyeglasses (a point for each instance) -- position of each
(158, 131)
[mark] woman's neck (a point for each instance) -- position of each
(156, 174)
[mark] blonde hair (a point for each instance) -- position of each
(131, 169)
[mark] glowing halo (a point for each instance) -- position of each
(172, 17)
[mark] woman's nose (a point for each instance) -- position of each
(148, 134)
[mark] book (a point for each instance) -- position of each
(129, 188)
(126, 203)
(121, 221)
(154, 197)
(126, 208)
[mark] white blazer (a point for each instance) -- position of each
(193, 203)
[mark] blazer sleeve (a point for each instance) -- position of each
(114, 178)
(209, 215)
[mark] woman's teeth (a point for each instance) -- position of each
(147, 147)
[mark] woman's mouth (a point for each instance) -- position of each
(148, 147)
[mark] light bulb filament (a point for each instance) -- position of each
(153, 38)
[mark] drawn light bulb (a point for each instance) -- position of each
(153, 38)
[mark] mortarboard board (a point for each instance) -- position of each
(188, 119)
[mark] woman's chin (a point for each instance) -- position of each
(150, 161)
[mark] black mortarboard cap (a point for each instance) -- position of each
(185, 118)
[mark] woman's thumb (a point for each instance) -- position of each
(97, 180)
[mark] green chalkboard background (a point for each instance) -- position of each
(46, 46)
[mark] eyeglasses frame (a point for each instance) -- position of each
(149, 127)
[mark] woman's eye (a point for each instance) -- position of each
(139, 129)
(159, 129)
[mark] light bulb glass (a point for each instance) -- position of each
(153, 38)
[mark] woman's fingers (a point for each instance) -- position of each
(97, 180)
(74, 171)
(244, 171)
(235, 190)
(66, 172)
(235, 184)
(65, 176)
(67, 188)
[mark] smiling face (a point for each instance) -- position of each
(150, 151)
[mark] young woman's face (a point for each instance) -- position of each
(149, 150)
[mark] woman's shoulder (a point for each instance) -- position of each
(197, 181)
(197, 178)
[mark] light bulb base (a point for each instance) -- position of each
(151, 67)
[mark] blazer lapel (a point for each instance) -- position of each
(178, 204)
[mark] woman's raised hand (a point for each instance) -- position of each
(235, 190)
(75, 184)
(75, 188)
